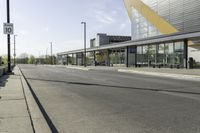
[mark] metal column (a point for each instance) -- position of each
(186, 54)
(127, 51)
(94, 58)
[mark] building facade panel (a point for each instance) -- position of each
(184, 15)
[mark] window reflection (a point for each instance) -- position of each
(162, 55)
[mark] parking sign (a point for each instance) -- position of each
(8, 28)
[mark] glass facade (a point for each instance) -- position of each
(161, 55)
(184, 15)
(141, 28)
(90, 58)
(117, 57)
(169, 55)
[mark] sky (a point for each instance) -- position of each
(39, 22)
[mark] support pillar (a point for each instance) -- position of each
(186, 54)
(67, 60)
(73, 62)
(126, 56)
(108, 58)
(76, 59)
(94, 58)
(82, 59)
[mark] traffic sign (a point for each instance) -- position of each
(8, 28)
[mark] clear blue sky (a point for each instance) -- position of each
(38, 22)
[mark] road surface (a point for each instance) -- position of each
(99, 101)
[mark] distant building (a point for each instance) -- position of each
(104, 39)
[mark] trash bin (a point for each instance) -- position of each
(191, 63)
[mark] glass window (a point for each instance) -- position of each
(145, 49)
(169, 48)
(161, 58)
(161, 48)
(139, 49)
(152, 49)
(179, 46)
(152, 54)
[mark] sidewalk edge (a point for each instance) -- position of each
(39, 122)
(79, 68)
(159, 74)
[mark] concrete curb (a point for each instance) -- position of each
(70, 67)
(39, 122)
(175, 76)
(79, 68)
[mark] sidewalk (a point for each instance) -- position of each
(169, 71)
(19, 112)
(14, 116)
(183, 74)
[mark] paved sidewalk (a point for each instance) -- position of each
(170, 71)
(14, 116)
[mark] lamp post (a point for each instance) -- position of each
(8, 36)
(84, 23)
(15, 49)
(51, 53)
(46, 56)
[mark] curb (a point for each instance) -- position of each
(39, 123)
(79, 68)
(176, 76)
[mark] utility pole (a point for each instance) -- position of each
(84, 23)
(47, 56)
(51, 53)
(8, 36)
(14, 49)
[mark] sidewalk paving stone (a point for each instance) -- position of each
(14, 117)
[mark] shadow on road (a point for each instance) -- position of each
(113, 86)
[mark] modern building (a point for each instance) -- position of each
(165, 33)
(162, 17)
(104, 39)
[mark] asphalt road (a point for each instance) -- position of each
(95, 101)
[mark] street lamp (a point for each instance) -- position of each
(14, 49)
(51, 54)
(84, 23)
(46, 55)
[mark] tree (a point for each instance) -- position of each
(23, 58)
(4, 59)
(31, 60)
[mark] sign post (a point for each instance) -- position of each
(10, 30)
